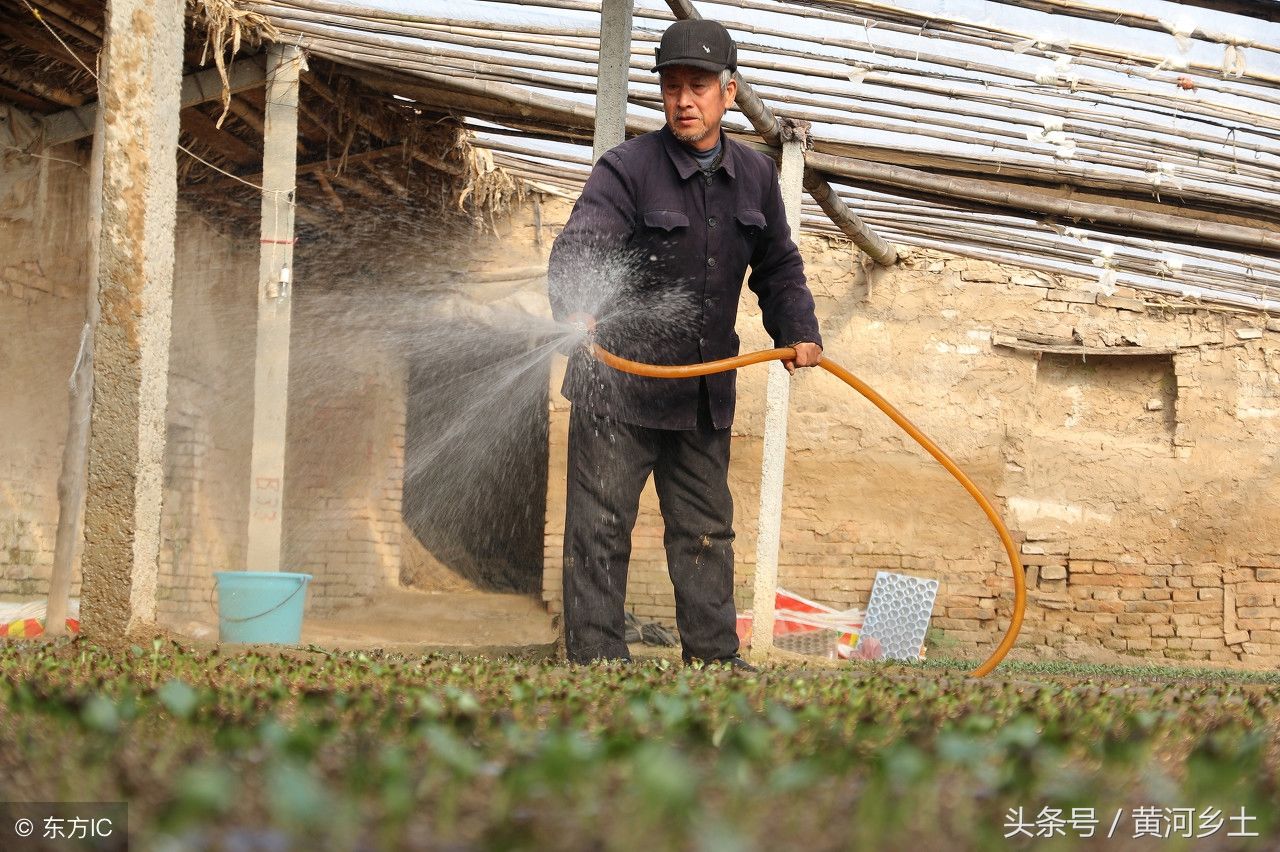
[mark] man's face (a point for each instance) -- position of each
(694, 104)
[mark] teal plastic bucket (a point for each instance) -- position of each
(260, 606)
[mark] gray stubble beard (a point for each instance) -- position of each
(689, 138)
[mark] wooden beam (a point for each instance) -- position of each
(21, 79)
(88, 25)
(247, 113)
(335, 201)
(311, 125)
(315, 83)
(20, 98)
(41, 43)
(329, 166)
(390, 182)
(360, 188)
(203, 128)
(1085, 352)
(201, 87)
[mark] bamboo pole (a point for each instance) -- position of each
(874, 53)
(1105, 52)
(1135, 20)
(1203, 191)
(962, 223)
(1083, 270)
(1200, 153)
(1235, 236)
(578, 166)
(888, 19)
(1106, 216)
(1121, 147)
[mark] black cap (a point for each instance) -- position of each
(702, 44)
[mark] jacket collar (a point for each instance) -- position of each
(684, 162)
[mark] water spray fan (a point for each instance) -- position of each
(586, 325)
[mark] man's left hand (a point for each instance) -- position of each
(807, 355)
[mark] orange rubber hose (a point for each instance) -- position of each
(785, 354)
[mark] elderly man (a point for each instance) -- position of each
(656, 248)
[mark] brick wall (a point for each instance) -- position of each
(344, 468)
(1181, 611)
(210, 417)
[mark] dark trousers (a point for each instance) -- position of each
(609, 463)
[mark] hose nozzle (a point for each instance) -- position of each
(585, 324)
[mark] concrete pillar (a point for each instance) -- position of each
(141, 82)
(777, 399)
(275, 301)
(611, 76)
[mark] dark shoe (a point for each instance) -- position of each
(736, 664)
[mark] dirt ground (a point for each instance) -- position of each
(464, 620)
(411, 620)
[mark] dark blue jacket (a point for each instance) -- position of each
(656, 251)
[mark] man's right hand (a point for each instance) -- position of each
(584, 328)
(807, 355)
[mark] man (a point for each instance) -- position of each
(655, 249)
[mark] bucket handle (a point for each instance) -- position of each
(287, 598)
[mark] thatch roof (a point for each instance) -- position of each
(355, 150)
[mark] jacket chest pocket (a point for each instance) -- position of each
(751, 225)
(662, 243)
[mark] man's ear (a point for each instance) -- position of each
(731, 91)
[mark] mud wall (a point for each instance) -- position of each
(43, 271)
(344, 468)
(1142, 488)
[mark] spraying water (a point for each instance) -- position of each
(476, 380)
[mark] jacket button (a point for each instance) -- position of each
(710, 302)
(702, 341)
(711, 261)
(711, 222)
